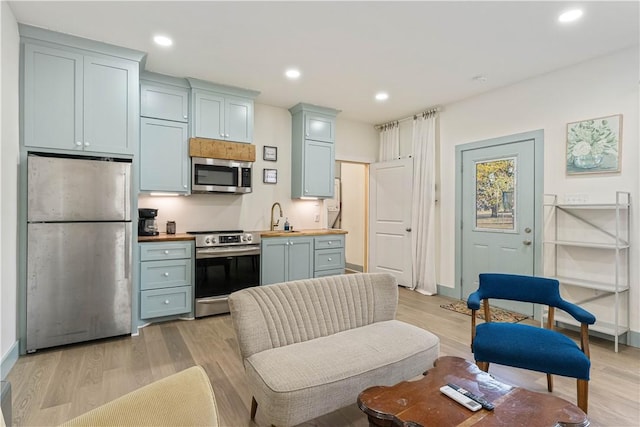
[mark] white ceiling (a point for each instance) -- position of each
(421, 53)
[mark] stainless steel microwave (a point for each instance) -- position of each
(220, 176)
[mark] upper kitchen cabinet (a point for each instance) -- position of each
(78, 94)
(221, 112)
(164, 97)
(164, 139)
(312, 151)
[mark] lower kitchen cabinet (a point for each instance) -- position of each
(329, 258)
(285, 259)
(303, 257)
(166, 284)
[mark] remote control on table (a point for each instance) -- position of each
(460, 398)
(485, 403)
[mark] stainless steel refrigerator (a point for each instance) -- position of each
(78, 250)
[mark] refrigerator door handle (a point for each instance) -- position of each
(127, 192)
(127, 250)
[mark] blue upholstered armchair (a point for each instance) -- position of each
(530, 347)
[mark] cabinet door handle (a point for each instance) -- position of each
(307, 134)
(185, 185)
(222, 135)
(408, 229)
(330, 242)
(166, 252)
(86, 144)
(329, 259)
(166, 301)
(79, 143)
(185, 117)
(166, 274)
(227, 135)
(527, 242)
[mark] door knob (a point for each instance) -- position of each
(407, 229)
(527, 242)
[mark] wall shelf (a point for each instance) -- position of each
(596, 229)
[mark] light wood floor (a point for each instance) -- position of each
(52, 386)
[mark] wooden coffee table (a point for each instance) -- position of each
(420, 403)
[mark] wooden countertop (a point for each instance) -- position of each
(313, 232)
(164, 237)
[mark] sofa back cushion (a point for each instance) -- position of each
(272, 316)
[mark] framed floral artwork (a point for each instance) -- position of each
(593, 146)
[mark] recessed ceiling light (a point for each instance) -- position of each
(292, 73)
(382, 96)
(163, 40)
(570, 15)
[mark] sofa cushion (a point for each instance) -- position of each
(304, 380)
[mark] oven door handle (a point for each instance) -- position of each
(224, 254)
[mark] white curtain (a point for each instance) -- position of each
(423, 205)
(389, 142)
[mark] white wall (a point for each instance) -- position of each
(9, 157)
(353, 211)
(272, 126)
(601, 87)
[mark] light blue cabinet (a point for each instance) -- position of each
(329, 255)
(74, 100)
(221, 112)
(164, 135)
(286, 258)
(164, 156)
(312, 151)
(164, 102)
(166, 279)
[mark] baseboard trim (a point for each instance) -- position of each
(448, 292)
(9, 359)
(354, 267)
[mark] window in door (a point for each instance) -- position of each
(495, 195)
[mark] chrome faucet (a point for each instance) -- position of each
(275, 224)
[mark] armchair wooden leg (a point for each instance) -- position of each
(254, 407)
(484, 366)
(583, 395)
(549, 383)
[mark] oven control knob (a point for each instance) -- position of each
(207, 240)
(213, 240)
(249, 238)
(243, 238)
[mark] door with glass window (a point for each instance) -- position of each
(498, 214)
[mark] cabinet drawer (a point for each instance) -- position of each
(158, 251)
(325, 273)
(328, 242)
(329, 259)
(165, 302)
(165, 274)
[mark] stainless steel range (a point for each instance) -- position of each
(226, 261)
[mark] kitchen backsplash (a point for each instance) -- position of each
(251, 212)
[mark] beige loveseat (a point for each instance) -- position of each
(311, 346)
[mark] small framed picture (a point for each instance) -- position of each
(270, 176)
(269, 153)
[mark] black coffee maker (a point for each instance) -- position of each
(147, 225)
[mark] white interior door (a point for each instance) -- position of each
(498, 214)
(390, 192)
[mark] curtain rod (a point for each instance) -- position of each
(431, 110)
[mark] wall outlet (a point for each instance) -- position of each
(316, 217)
(576, 198)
